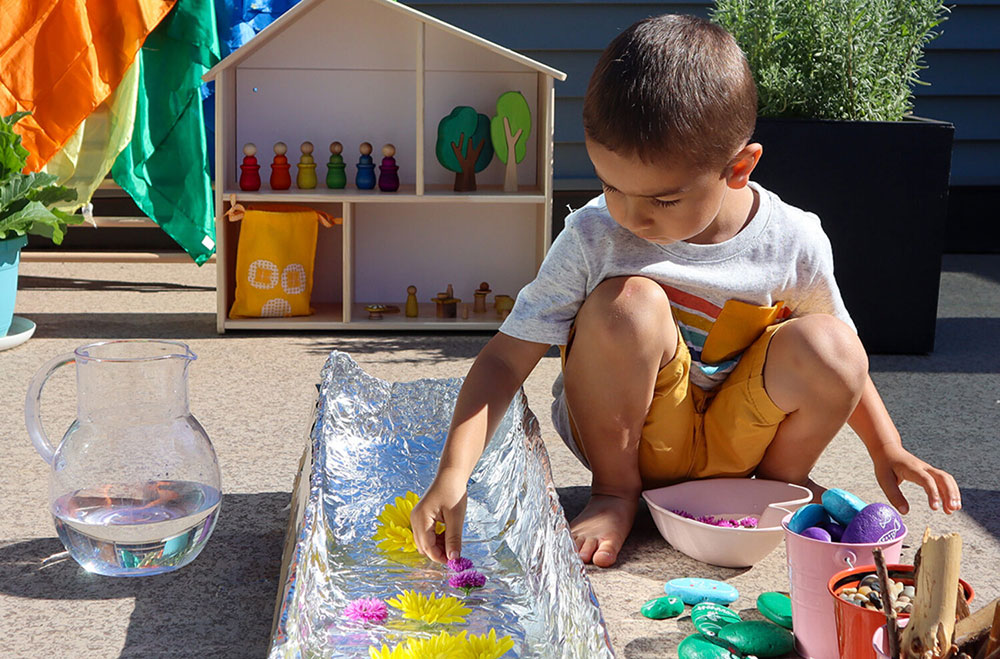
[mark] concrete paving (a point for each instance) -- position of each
(254, 394)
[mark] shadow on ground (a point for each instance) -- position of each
(65, 284)
(222, 603)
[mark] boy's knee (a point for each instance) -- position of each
(626, 307)
(826, 349)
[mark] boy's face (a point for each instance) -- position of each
(667, 204)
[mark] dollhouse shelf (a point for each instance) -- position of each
(316, 74)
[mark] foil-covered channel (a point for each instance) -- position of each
(373, 441)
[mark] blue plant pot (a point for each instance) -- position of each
(10, 257)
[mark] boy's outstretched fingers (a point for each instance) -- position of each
(453, 534)
(424, 537)
(940, 486)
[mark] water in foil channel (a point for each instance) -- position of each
(372, 441)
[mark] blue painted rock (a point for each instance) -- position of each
(697, 646)
(835, 530)
(811, 514)
(709, 617)
(877, 522)
(842, 505)
(695, 591)
(776, 607)
(663, 607)
(816, 533)
(757, 637)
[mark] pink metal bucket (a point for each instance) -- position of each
(811, 563)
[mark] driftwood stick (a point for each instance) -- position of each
(932, 621)
(993, 644)
(969, 632)
(888, 599)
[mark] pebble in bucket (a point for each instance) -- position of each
(812, 562)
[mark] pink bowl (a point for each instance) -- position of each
(879, 643)
(731, 498)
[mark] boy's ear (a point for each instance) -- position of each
(740, 167)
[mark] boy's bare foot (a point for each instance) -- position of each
(599, 531)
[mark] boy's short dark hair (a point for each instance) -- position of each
(672, 87)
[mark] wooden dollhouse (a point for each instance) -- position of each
(377, 71)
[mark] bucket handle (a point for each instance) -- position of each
(847, 557)
(33, 405)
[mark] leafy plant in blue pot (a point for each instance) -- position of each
(26, 207)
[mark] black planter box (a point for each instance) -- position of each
(881, 192)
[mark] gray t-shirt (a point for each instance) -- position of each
(723, 295)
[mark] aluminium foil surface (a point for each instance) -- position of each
(373, 441)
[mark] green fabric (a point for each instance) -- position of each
(165, 166)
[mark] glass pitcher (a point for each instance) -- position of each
(135, 486)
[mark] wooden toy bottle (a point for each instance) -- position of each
(365, 179)
(280, 178)
(306, 179)
(335, 176)
(388, 179)
(249, 170)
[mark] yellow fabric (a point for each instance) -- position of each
(690, 433)
(739, 324)
(86, 158)
(61, 58)
(274, 264)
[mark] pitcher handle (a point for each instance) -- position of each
(33, 406)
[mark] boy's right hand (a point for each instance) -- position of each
(445, 502)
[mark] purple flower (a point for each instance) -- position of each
(744, 522)
(467, 580)
(459, 564)
(368, 609)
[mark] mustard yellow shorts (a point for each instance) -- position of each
(691, 433)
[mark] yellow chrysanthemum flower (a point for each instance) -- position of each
(442, 646)
(487, 646)
(386, 653)
(433, 609)
(394, 531)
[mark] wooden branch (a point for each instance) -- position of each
(932, 621)
(888, 600)
(970, 631)
(993, 644)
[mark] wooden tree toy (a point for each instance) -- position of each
(336, 179)
(412, 308)
(479, 301)
(464, 146)
(306, 179)
(280, 178)
(249, 170)
(365, 179)
(388, 179)
(509, 130)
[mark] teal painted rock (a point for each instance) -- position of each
(697, 646)
(709, 618)
(776, 607)
(811, 514)
(663, 607)
(842, 505)
(695, 590)
(757, 637)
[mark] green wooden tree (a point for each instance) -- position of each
(509, 130)
(464, 146)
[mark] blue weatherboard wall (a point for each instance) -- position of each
(964, 68)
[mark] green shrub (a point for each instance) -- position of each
(833, 59)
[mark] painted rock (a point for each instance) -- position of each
(877, 522)
(842, 505)
(695, 591)
(709, 617)
(835, 530)
(663, 607)
(697, 646)
(816, 533)
(757, 637)
(811, 514)
(776, 607)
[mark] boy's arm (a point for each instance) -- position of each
(894, 464)
(501, 367)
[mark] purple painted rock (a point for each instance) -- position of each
(877, 522)
(835, 530)
(816, 533)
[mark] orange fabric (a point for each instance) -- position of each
(61, 58)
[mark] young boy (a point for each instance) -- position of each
(700, 324)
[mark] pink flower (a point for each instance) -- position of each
(467, 580)
(459, 564)
(368, 609)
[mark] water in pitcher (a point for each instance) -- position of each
(141, 529)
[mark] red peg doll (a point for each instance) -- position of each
(250, 170)
(280, 177)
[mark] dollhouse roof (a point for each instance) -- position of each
(305, 6)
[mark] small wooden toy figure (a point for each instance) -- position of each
(249, 170)
(412, 309)
(388, 179)
(479, 304)
(280, 178)
(503, 304)
(447, 303)
(306, 180)
(336, 179)
(365, 179)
